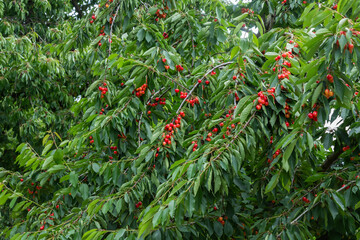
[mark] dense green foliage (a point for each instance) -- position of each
(187, 124)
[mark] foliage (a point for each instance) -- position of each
(191, 126)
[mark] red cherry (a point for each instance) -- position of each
(315, 113)
(149, 112)
(42, 227)
(234, 77)
(99, 44)
(177, 90)
(91, 21)
(310, 115)
(93, 17)
(207, 82)
(57, 207)
(199, 81)
(258, 107)
(330, 78)
(351, 47)
(21, 180)
(164, 60)
(215, 208)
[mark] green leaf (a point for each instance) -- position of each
(47, 162)
(357, 205)
(119, 234)
(339, 200)
(273, 182)
(95, 167)
(316, 94)
(315, 177)
(245, 113)
(287, 154)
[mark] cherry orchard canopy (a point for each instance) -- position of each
(192, 126)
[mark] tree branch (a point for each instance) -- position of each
(330, 160)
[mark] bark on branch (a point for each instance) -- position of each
(330, 160)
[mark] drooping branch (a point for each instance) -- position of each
(330, 160)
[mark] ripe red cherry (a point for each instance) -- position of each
(199, 81)
(57, 206)
(42, 227)
(207, 82)
(330, 78)
(234, 77)
(315, 113)
(91, 21)
(258, 107)
(164, 60)
(351, 47)
(215, 208)
(177, 90)
(115, 152)
(149, 112)
(287, 124)
(310, 115)
(304, 199)
(99, 44)
(93, 17)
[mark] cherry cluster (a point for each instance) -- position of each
(287, 110)
(160, 13)
(179, 68)
(328, 93)
(313, 116)
(283, 2)
(103, 90)
(34, 192)
(221, 220)
(354, 32)
(165, 35)
(346, 148)
(141, 90)
(271, 139)
(170, 129)
(91, 140)
(195, 145)
(246, 10)
(193, 101)
(277, 153)
(262, 100)
(161, 101)
(93, 19)
(330, 78)
(237, 97)
(348, 46)
(114, 148)
(139, 204)
(183, 95)
(306, 200)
